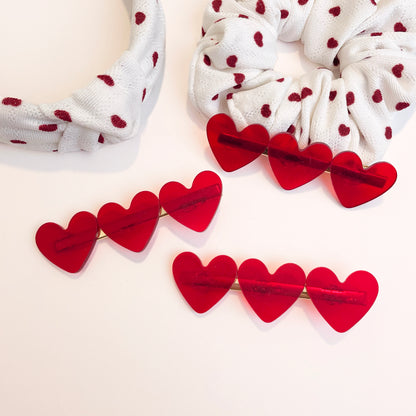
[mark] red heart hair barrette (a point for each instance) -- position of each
(354, 185)
(341, 304)
(131, 228)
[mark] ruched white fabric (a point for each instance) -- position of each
(106, 111)
(367, 51)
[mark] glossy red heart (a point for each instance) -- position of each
(203, 287)
(194, 207)
(342, 305)
(131, 228)
(270, 295)
(355, 185)
(293, 167)
(68, 248)
(234, 149)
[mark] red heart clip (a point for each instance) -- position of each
(203, 287)
(342, 305)
(234, 149)
(293, 167)
(131, 228)
(193, 207)
(270, 295)
(355, 185)
(68, 249)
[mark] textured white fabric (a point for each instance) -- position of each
(106, 111)
(368, 51)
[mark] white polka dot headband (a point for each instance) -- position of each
(106, 111)
(368, 51)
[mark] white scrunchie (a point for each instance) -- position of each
(106, 111)
(369, 54)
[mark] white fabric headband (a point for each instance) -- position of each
(368, 50)
(106, 111)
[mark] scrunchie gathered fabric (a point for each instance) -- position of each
(106, 111)
(368, 55)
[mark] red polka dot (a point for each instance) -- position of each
(389, 133)
(350, 98)
(215, 97)
(107, 79)
(333, 95)
(239, 78)
(207, 60)
(399, 27)
(237, 87)
(377, 34)
(374, 2)
(397, 70)
(332, 43)
(284, 14)
(402, 106)
(155, 58)
(377, 96)
(140, 18)
(216, 5)
(336, 61)
(144, 94)
(302, 2)
(203, 32)
(14, 102)
(344, 130)
(242, 16)
(306, 92)
(118, 122)
(229, 96)
(101, 139)
(280, 80)
(335, 11)
(260, 7)
(265, 111)
(258, 38)
(291, 129)
(48, 127)
(63, 115)
(295, 97)
(232, 61)
(18, 142)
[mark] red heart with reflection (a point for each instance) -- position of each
(355, 185)
(203, 287)
(68, 249)
(234, 149)
(270, 295)
(131, 228)
(193, 207)
(342, 305)
(293, 167)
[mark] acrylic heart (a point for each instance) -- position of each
(194, 207)
(234, 149)
(131, 228)
(293, 167)
(270, 295)
(203, 287)
(355, 185)
(68, 248)
(342, 305)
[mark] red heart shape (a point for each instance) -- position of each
(234, 149)
(68, 249)
(293, 167)
(342, 305)
(131, 228)
(355, 185)
(270, 295)
(194, 208)
(203, 287)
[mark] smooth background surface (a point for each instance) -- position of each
(119, 339)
